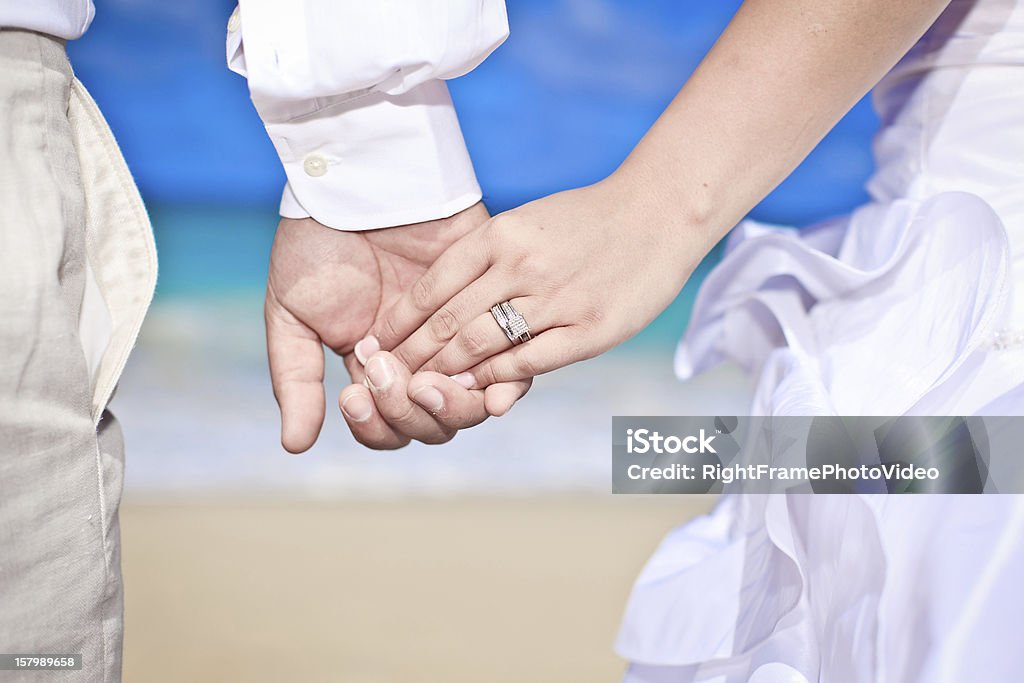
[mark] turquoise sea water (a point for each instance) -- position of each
(199, 416)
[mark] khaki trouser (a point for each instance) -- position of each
(77, 271)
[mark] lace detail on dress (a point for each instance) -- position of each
(1005, 340)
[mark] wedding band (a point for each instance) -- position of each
(511, 321)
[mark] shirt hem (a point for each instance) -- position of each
(391, 219)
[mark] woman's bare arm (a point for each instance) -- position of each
(778, 79)
(589, 268)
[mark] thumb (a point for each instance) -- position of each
(296, 357)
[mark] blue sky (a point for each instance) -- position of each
(560, 104)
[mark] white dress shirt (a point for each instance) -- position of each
(66, 19)
(353, 97)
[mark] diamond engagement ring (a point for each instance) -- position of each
(511, 322)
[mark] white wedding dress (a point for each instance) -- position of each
(914, 304)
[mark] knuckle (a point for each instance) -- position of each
(475, 343)
(388, 333)
(524, 365)
(400, 417)
(522, 262)
(422, 291)
(521, 267)
(444, 324)
(552, 285)
(485, 375)
(591, 317)
(403, 355)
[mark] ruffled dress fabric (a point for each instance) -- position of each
(903, 307)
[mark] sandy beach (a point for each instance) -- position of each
(452, 589)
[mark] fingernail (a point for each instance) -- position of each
(466, 379)
(366, 348)
(379, 372)
(357, 408)
(429, 397)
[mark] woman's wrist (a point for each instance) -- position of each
(682, 217)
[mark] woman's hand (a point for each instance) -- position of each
(587, 269)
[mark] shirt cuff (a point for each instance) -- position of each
(377, 160)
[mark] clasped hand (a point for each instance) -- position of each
(586, 268)
(327, 287)
(583, 267)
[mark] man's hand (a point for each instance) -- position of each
(328, 286)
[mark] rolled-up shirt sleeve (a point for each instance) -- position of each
(352, 94)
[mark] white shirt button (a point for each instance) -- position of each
(315, 165)
(235, 21)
